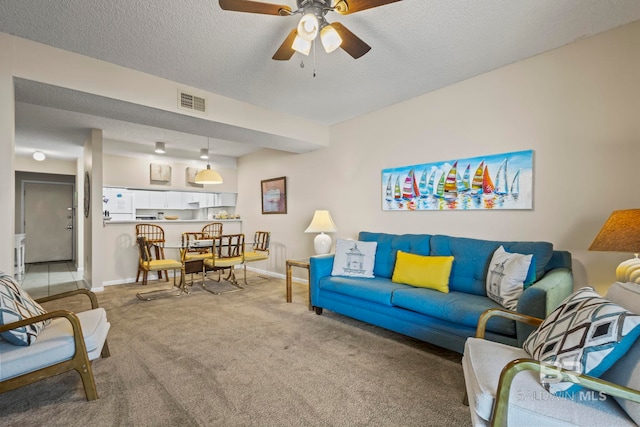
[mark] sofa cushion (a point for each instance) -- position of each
(529, 405)
(423, 271)
(506, 276)
(586, 334)
(472, 258)
(378, 290)
(455, 307)
(354, 258)
(388, 244)
(55, 344)
(16, 305)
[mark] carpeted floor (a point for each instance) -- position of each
(246, 359)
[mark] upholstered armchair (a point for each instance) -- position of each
(37, 344)
(505, 385)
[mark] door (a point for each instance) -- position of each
(48, 221)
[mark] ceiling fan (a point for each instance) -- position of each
(312, 24)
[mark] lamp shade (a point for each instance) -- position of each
(204, 154)
(208, 176)
(301, 45)
(321, 223)
(160, 148)
(621, 233)
(308, 27)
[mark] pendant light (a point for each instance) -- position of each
(208, 175)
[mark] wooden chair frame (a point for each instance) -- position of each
(212, 230)
(259, 252)
(499, 415)
(228, 252)
(79, 362)
(155, 236)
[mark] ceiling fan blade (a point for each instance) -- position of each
(351, 43)
(285, 51)
(255, 7)
(345, 7)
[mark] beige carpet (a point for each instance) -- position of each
(246, 359)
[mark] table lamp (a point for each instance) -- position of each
(321, 223)
(621, 233)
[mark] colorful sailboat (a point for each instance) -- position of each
(397, 192)
(466, 184)
(389, 191)
(515, 185)
(502, 187)
(451, 183)
(431, 182)
(476, 183)
(410, 189)
(424, 189)
(487, 183)
(440, 189)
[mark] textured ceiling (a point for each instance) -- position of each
(417, 46)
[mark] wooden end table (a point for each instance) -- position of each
(300, 263)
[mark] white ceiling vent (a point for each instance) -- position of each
(187, 101)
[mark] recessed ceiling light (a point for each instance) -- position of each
(160, 148)
(39, 156)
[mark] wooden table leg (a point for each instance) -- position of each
(288, 282)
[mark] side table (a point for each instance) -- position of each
(301, 263)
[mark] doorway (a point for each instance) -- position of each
(48, 221)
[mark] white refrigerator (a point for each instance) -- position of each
(118, 204)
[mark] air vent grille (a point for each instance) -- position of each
(188, 101)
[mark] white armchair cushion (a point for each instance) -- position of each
(529, 404)
(55, 344)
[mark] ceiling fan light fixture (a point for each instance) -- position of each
(330, 38)
(204, 154)
(308, 27)
(301, 45)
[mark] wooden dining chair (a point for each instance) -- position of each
(211, 230)
(154, 235)
(146, 262)
(228, 252)
(259, 252)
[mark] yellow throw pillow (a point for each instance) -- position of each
(423, 271)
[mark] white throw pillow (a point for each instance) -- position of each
(506, 276)
(354, 258)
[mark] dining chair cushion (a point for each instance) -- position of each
(163, 264)
(223, 262)
(195, 256)
(55, 344)
(16, 305)
(255, 256)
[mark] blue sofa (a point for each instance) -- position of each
(443, 319)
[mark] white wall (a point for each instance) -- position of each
(577, 107)
(7, 149)
(133, 172)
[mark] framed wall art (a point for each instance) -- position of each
(274, 195)
(161, 173)
(499, 181)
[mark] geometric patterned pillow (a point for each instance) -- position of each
(586, 334)
(15, 305)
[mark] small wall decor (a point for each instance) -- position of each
(161, 173)
(500, 181)
(191, 176)
(274, 195)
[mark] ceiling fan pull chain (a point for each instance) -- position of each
(314, 58)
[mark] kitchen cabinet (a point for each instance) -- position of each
(215, 200)
(165, 200)
(193, 200)
(140, 199)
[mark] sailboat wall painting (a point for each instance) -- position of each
(500, 181)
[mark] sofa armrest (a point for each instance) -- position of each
(492, 312)
(499, 416)
(319, 266)
(541, 298)
(88, 293)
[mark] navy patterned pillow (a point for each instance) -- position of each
(585, 334)
(15, 305)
